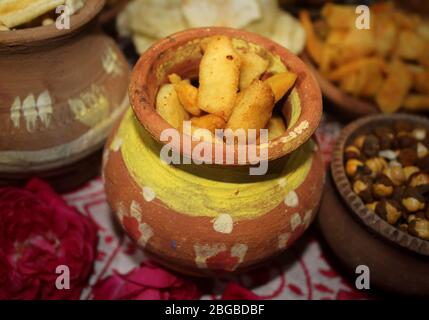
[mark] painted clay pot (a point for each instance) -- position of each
(60, 93)
(398, 262)
(206, 220)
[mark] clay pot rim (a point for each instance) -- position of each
(354, 202)
(28, 36)
(351, 106)
(308, 89)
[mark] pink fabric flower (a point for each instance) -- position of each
(149, 282)
(39, 232)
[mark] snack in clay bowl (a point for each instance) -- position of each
(365, 71)
(212, 217)
(375, 209)
(62, 90)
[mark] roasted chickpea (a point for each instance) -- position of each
(413, 201)
(407, 157)
(419, 133)
(422, 151)
(352, 152)
(419, 179)
(376, 165)
(383, 187)
(371, 206)
(371, 146)
(395, 174)
(409, 171)
(389, 210)
(352, 167)
(419, 228)
(359, 141)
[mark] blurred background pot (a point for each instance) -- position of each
(60, 93)
(207, 220)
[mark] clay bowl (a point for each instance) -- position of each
(182, 56)
(60, 93)
(210, 220)
(398, 262)
(349, 106)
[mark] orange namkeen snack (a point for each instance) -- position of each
(387, 63)
(231, 94)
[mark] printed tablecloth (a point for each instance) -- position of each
(305, 271)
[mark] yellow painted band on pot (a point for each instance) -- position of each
(209, 191)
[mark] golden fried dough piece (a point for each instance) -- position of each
(410, 45)
(252, 67)
(339, 16)
(209, 121)
(386, 33)
(219, 77)
(174, 78)
(169, 107)
(254, 107)
(416, 102)
(421, 81)
(281, 83)
(351, 67)
(188, 97)
(395, 88)
(314, 44)
(14, 13)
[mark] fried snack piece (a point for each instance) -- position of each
(210, 122)
(364, 82)
(405, 20)
(252, 67)
(356, 44)
(281, 83)
(314, 44)
(351, 67)
(421, 81)
(339, 16)
(395, 88)
(329, 53)
(254, 107)
(14, 13)
(416, 102)
(372, 81)
(169, 107)
(386, 33)
(410, 45)
(276, 127)
(188, 97)
(219, 77)
(349, 83)
(174, 78)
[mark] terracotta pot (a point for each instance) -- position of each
(60, 93)
(207, 220)
(398, 262)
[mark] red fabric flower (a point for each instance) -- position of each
(149, 282)
(38, 233)
(234, 291)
